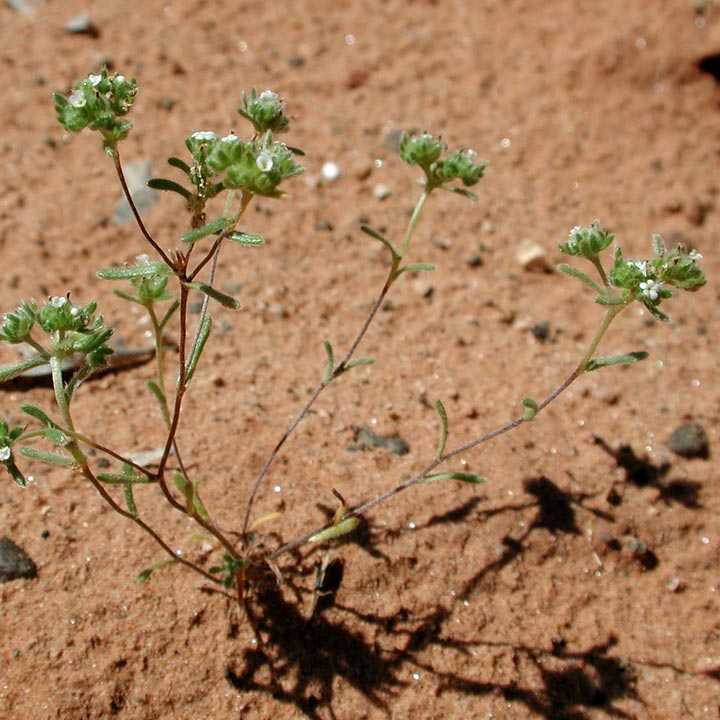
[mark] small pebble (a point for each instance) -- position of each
(330, 171)
(533, 257)
(137, 173)
(14, 562)
(690, 441)
(81, 24)
(380, 191)
(675, 584)
(474, 260)
(423, 288)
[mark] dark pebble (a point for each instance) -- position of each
(14, 562)
(690, 441)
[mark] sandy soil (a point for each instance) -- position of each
(527, 597)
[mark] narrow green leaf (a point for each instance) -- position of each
(531, 409)
(56, 435)
(129, 272)
(375, 234)
(15, 473)
(244, 238)
(203, 335)
(38, 414)
(198, 505)
(358, 361)
(334, 531)
(222, 298)
(145, 574)
(463, 476)
(212, 228)
(443, 428)
(416, 267)
(601, 362)
(169, 185)
(330, 365)
(115, 479)
(574, 272)
(130, 500)
(171, 310)
(658, 244)
(157, 393)
(48, 457)
(185, 487)
(609, 299)
(180, 164)
(461, 191)
(11, 371)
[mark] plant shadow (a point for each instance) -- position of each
(301, 660)
(639, 471)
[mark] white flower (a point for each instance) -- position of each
(58, 302)
(651, 289)
(232, 137)
(143, 259)
(269, 96)
(5, 453)
(203, 135)
(78, 99)
(94, 80)
(265, 161)
(642, 266)
(694, 255)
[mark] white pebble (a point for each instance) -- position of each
(330, 171)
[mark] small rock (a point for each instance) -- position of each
(381, 191)
(14, 562)
(541, 331)
(637, 546)
(533, 257)
(81, 24)
(675, 584)
(330, 171)
(365, 439)
(690, 441)
(423, 288)
(24, 8)
(137, 173)
(474, 260)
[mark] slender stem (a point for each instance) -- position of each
(414, 220)
(392, 276)
(581, 368)
(138, 219)
(59, 388)
(84, 468)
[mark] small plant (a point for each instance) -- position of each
(161, 282)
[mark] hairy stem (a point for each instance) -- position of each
(581, 368)
(392, 276)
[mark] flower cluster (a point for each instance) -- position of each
(98, 102)
(425, 150)
(648, 280)
(71, 328)
(587, 241)
(265, 111)
(257, 166)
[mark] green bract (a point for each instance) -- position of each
(98, 102)
(16, 326)
(261, 167)
(425, 151)
(422, 150)
(587, 241)
(265, 111)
